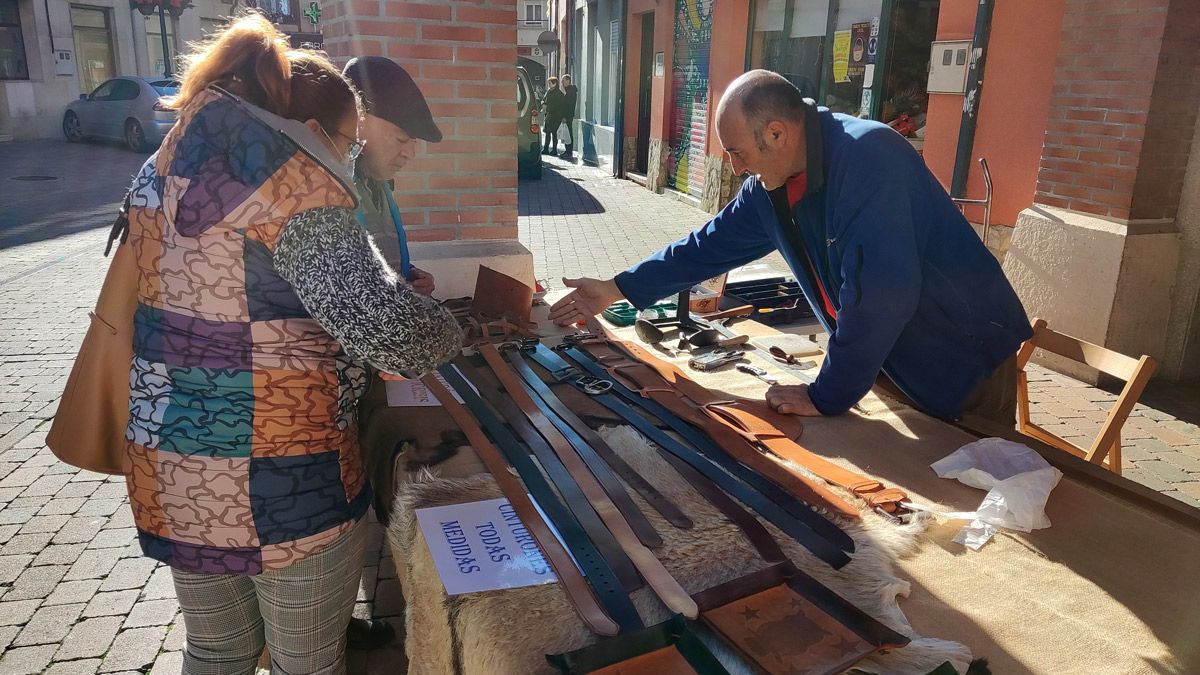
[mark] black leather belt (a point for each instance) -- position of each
(824, 539)
(575, 500)
(694, 437)
(607, 587)
(602, 460)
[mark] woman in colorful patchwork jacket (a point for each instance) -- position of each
(260, 300)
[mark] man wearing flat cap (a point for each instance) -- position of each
(397, 119)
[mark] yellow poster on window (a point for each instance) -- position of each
(841, 56)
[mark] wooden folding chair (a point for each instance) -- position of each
(1134, 372)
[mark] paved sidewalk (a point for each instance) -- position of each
(75, 594)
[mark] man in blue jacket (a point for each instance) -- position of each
(894, 272)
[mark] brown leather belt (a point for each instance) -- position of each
(756, 423)
(665, 586)
(576, 587)
(575, 500)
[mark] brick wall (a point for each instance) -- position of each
(1123, 108)
(463, 55)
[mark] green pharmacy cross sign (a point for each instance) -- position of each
(313, 13)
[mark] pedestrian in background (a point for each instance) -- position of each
(552, 106)
(259, 299)
(570, 101)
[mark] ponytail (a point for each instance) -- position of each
(249, 58)
(252, 58)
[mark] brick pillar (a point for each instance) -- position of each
(1123, 108)
(1096, 254)
(463, 54)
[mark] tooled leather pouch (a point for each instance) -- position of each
(670, 647)
(785, 622)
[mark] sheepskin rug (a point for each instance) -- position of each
(510, 631)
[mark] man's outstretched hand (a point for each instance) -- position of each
(792, 399)
(589, 298)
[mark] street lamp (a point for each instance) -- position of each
(175, 8)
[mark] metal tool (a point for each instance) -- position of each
(713, 360)
(760, 373)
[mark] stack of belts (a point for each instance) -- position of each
(524, 424)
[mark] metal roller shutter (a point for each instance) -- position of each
(689, 107)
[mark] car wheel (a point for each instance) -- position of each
(135, 136)
(72, 129)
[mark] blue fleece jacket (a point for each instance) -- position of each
(915, 292)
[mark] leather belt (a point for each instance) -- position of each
(729, 438)
(824, 539)
(665, 586)
(617, 612)
(601, 459)
(575, 500)
(693, 436)
(757, 423)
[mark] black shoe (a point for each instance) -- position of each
(368, 634)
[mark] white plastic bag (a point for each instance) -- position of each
(564, 133)
(1018, 481)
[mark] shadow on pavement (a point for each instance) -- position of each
(51, 189)
(555, 194)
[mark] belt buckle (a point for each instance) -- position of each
(528, 344)
(574, 339)
(594, 386)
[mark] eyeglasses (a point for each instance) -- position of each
(356, 145)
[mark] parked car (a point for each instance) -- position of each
(127, 109)
(529, 132)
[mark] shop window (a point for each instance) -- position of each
(789, 38)
(13, 64)
(852, 66)
(904, 100)
(154, 43)
(92, 27)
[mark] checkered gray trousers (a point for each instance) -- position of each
(300, 612)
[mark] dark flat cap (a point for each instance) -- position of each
(388, 92)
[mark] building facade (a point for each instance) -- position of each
(53, 51)
(1085, 110)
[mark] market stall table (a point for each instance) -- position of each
(1111, 587)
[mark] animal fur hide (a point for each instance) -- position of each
(510, 631)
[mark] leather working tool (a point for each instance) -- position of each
(718, 418)
(657, 576)
(693, 436)
(786, 622)
(574, 498)
(824, 539)
(668, 648)
(603, 462)
(753, 423)
(760, 373)
(617, 612)
(714, 360)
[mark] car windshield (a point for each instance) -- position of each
(166, 87)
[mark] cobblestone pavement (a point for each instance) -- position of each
(75, 594)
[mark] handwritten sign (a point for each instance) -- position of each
(482, 546)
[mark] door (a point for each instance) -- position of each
(645, 87)
(689, 87)
(118, 108)
(91, 113)
(93, 46)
